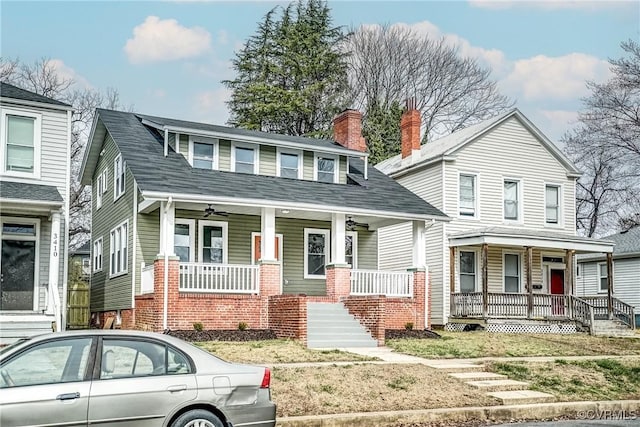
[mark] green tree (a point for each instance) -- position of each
(381, 130)
(291, 74)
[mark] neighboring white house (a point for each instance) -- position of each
(592, 270)
(511, 194)
(35, 135)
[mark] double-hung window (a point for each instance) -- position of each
(467, 271)
(316, 253)
(289, 164)
(351, 248)
(101, 187)
(512, 275)
(326, 169)
(183, 239)
(20, 143)
(512, 200)
(552, 204)
(244, 159)
(203, 152)
(118, 177)
(118, 249)
(213, 242)
(603, 280)
(467, 192)
(97, 254)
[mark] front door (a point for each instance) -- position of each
(17, 274)
(256, 250)
(557, 288)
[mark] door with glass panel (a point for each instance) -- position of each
(18, 266)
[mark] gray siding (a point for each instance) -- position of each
(224, 151)
(111, 214)
(626, 280)
(307, 165)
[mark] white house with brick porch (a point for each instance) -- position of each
(196, 223)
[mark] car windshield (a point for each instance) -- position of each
(6, 348)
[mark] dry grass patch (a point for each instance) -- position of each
(275, 351)
(605, 379)
(367, 388)
(484, 344)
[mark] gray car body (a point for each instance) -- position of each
(230, 391)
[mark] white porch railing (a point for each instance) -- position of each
(146, 278)
(376, 282)
(219, 278)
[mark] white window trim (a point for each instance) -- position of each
(256, 155)
(96, 267)
(36, 238)
(225, 238)
(476, 257)
(336, 170)
(116, 187)
(476, 204)
(204, 140)
(560, 222)
(112, 273)
(327, 250)
(299, 153)
(37, 142)
(192, 236)
(520, 219)
(354, 234)
(254, 234)
(521, 262)
(101, 187)
(599, 285)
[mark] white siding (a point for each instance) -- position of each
(395, 247)
(626, 280)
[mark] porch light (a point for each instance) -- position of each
(285, 211)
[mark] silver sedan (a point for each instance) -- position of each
(132, 378)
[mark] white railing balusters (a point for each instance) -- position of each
(219, 278)
(377, 282)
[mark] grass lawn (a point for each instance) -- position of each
(367, 388)
(484, 344)
(275, 351)
(605, 379)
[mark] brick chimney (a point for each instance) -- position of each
(347, 130)
(410, 129)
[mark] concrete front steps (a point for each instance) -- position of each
(331, 326)
(16, 326)
(611, 328)
(507, 391)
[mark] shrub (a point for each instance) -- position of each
(243, 326)
(408, 326)
(197, 326)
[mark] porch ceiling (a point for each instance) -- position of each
(511, 237)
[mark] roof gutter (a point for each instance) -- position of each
(420, 165)
(197, 198)
(36, 104)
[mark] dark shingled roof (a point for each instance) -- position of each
(10, 91)
(142, 149)
(626, 243)
(24, 191)
(315, 142)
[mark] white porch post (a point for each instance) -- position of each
(53, 296)
(419, 250)
(167, 228)
(268, 233)
(338, 236)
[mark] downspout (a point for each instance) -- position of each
(165, 308)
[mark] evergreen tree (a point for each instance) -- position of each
(291, 74)
(381, 130)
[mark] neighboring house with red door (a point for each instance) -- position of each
(35, 134)
(506, 260)
(591, 280)
(196, 223)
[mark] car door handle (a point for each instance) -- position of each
(177, 388)
(68, 396)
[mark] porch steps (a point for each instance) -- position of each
(14, 327)
(611, 328)
(331, 326)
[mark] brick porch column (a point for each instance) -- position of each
(338, 277)
(173, 280)
(269, 278)
(419, 297)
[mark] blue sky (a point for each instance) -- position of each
(167, 58)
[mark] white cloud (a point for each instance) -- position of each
(556, 122)
(165, 40)
(211, 106)
(560, 78)
(551, 4)
(223, 37)
(68, 73)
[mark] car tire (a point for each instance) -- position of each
(197, 418)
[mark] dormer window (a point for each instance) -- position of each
(203, 153)
(20, 143)
(244, 158)
(326, 169)
(289, 164)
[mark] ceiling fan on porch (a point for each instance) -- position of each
(351, 224)
(210, 210)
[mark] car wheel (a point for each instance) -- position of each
(197, 418)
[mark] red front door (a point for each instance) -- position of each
(557, 288)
